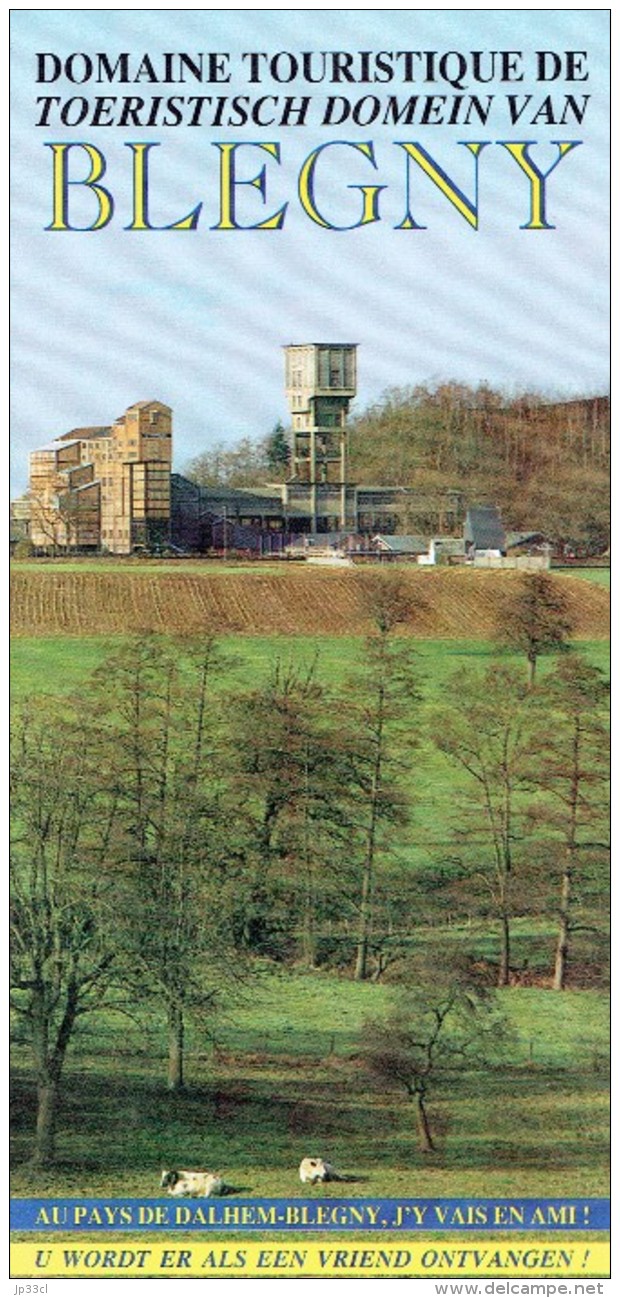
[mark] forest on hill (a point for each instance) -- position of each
(545, 464)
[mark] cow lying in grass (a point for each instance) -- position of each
(192, 1185)
(315, 1170)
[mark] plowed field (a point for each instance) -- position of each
(454, 603)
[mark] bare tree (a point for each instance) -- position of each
(572, 766)
(160, 714)
(382, 695)
(63, 876)
(483, 730)
(47, 519)
(534, 618)
(444, 1022)
(239, 465)
(290, 778)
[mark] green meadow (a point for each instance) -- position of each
(59, 664)
(601, 576)
(280, 1080)
(276, 1075)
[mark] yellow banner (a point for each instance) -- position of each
(450, 1258)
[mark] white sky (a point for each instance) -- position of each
(197, 319)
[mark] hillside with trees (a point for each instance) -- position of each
(545, 464)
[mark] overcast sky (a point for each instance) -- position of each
(197, 319)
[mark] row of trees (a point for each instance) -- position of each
(245, 463)
(168, 831)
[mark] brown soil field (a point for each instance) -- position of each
(453, 603)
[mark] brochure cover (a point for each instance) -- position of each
(309, 533)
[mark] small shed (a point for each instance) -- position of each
(484, 532)
(399, 547)
(444, 549)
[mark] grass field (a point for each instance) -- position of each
(285, 1082)
(62, 664)
(600, 576)
(135, 564)
(58, 664)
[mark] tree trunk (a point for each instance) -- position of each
(176, 1033)
(366, 899)
(561, 950)
(49, 1065)
(531, 658)
(309, 922)
(422, 1123)
(47, 1109)
(365, 914)
(503, 976)
(361, 956)
(309, 940)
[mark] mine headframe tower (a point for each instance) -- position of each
(321, 381)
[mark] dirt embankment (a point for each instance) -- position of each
(446, 603)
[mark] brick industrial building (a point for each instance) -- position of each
(105, 488)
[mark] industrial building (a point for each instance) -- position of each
(103, 488)
(112, 489)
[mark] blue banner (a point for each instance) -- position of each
(326, 1214)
